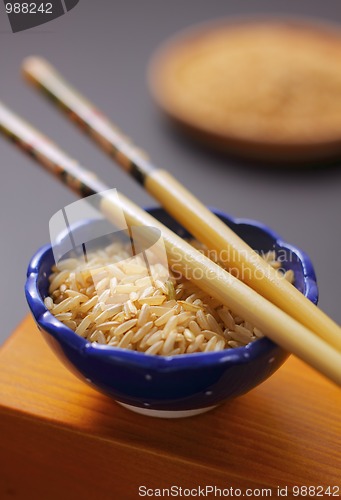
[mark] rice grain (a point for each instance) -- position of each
(121, 303)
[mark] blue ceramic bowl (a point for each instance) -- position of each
(176, 386)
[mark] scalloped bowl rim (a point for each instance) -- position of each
(65, 335)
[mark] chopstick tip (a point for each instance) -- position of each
(33, 65)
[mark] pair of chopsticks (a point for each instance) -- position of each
(270, 303)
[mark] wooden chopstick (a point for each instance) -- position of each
(275, 323)
(180, 203)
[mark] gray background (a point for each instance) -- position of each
(103, 48)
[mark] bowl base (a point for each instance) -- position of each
(165, 413)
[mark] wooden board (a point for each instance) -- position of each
(59, 435)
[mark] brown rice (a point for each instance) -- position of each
(112, 300)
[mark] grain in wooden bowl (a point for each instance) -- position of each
(266, 89)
